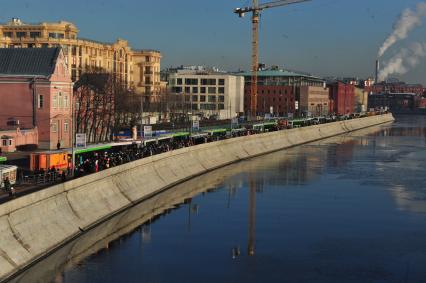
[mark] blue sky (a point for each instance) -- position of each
(323, 37)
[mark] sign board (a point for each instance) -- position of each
(296, 105)
(196, 125)
(271, 110)
(234, 121)
(147, 131)
(80, 140)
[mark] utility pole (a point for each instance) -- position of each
(142, 116)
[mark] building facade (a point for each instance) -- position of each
(36, 91)
(15, 138)
(278, 91)
(314, 100)
(395, 87)
(208, 94)
(396, 102)
(139, 69)
(361, 100)
(342, 98)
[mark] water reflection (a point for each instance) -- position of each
(320, 212)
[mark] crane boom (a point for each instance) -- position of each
(256, 10)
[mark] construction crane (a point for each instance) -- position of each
(256, 9)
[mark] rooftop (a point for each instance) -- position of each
(28, 61)
(278, 73)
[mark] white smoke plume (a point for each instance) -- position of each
(408, 20)
(403, 61)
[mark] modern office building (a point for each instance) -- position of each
(207, 93)
(137, 68)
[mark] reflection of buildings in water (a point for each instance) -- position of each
(297, 166)
(124, 223)
(340, 154)
(409, 200)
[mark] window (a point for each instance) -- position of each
(187, 89)
(177, 89)
(61, 101)
(221, 106)
(221, 90)
(221, 81)
(212, 90)
(179, 81)
(21, 34)
(8, 34)
(55, 101)
(66, 101)
(212, 98)
(202, 98)
(221, 98)
(208, 81)
(35, 34)
(66, 127)
(195, 98)
(191, 81)
(54, 127)
(202, 89)
(4, 142)
(40, 101)
(195, 89)
(56, 35)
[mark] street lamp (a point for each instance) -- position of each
(74, 130)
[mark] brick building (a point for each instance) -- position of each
(36, 91)
(278, 91)
(342, 98)
(314, 100)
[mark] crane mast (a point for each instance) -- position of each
(255, 60)
(256, 10)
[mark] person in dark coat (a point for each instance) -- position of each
(8, 186)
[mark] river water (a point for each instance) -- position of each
(346, 209)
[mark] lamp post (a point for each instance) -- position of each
(74, 130)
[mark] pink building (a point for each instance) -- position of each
(16, 138)
(36, 91)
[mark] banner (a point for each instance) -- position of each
(80, 140)
(196, 125)
(147, 131)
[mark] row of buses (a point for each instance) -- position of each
(61, 159)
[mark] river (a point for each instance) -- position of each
(347, 209)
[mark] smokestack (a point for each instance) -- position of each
(376, 79)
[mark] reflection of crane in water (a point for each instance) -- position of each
(252, 215)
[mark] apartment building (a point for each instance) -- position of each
(139, 69)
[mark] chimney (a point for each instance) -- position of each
(376, 78)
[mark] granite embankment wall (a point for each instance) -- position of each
(33, 226)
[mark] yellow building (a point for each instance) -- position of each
(138, 68)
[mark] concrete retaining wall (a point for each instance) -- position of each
(33, 226)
